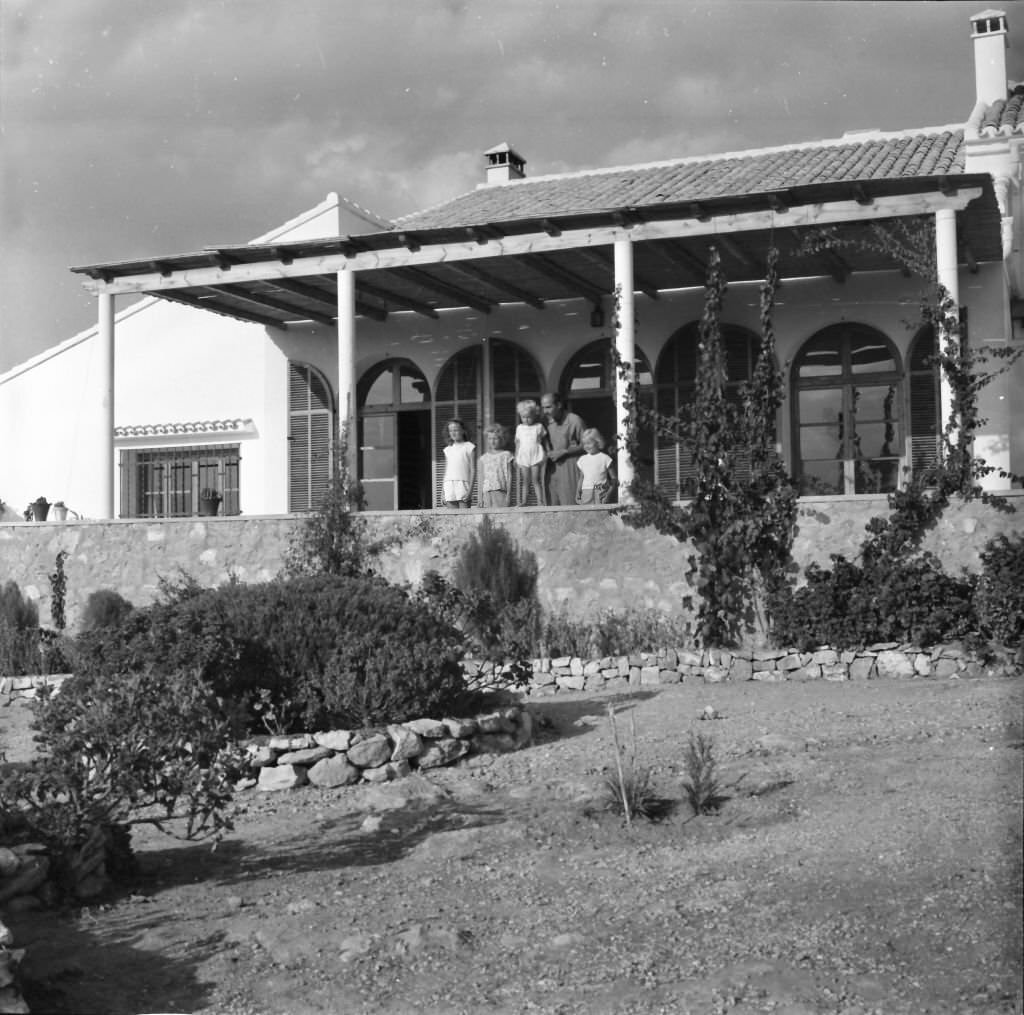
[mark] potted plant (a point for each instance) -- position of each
(60, 511)
(209, 501)
(40, 508)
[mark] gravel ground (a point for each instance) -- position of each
(867, 862)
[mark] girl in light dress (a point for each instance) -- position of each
(597, 470)
(459, 467)
(495, 469)
(531, 451)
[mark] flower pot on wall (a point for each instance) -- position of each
(40, 509)
(209, 506)
(60, 512)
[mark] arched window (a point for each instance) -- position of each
(676, 386)
(848, 435)
(588, 385)
(310, 436)
(464, 392)
(394, 436)
(925, 412)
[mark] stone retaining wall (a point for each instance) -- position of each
(588, 559)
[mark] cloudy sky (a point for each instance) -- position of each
(134, 128)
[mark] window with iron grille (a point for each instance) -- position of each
(166, 482)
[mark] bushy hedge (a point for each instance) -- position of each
(306, 650)
(999, 599)
(851, 605)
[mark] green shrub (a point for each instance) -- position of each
(999, 597)
(104, 608)
(266, 648)
(20, 647)
(129, 749)
(612, 632)
(903, 599)
(496, 601)
(17, 612)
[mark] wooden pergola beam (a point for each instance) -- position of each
(387, 297)
(176, 296)
(604, 259)
(532, 245)
(262, 300)
(543, 264)
(423, 278)
(470, 270)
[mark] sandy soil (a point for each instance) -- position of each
(868, 861)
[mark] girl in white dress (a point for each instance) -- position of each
(459, 468)
(597, 470)
(531, 451)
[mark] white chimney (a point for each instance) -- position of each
(504, 164)
(988, 30)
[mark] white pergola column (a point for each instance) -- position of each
(948, 276)
(625, 346)
(105, 349)
(347, 360)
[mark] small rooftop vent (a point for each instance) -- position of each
(504, 163)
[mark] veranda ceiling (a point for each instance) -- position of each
(482, 265)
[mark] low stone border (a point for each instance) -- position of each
(343, 757)
(887, 660)
(21, 688)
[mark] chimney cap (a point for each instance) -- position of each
(988, 22)
(504, 163)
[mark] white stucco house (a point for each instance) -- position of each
(229, 367)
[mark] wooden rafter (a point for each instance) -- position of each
(735, 250)
(177, 296)
(266, 300)
(678, 256)
(470, 270)
(546, 266)
(403, 302)
(604, 259)
(428, 281)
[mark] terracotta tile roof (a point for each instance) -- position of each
(869, 156)
(1004, 116)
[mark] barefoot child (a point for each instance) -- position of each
(597, 471)
(495, 469)
(459, 468)
(531, 451)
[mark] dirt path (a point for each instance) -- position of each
(868, 861)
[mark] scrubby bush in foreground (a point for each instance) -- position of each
(120, 751)
(851, 605)
(309, 649)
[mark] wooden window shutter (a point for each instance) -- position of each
(310, 437)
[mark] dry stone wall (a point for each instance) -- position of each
(589, 560)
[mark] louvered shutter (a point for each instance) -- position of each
(310, 437)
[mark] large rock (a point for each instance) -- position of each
(408, 743)
(334, 771)
(307, 756)
(894, 664)
(443, 752)
(336, 740)
(372, 752)
(282, 777)
(433, 729)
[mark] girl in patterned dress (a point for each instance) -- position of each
(531, 451)
(495, 469)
